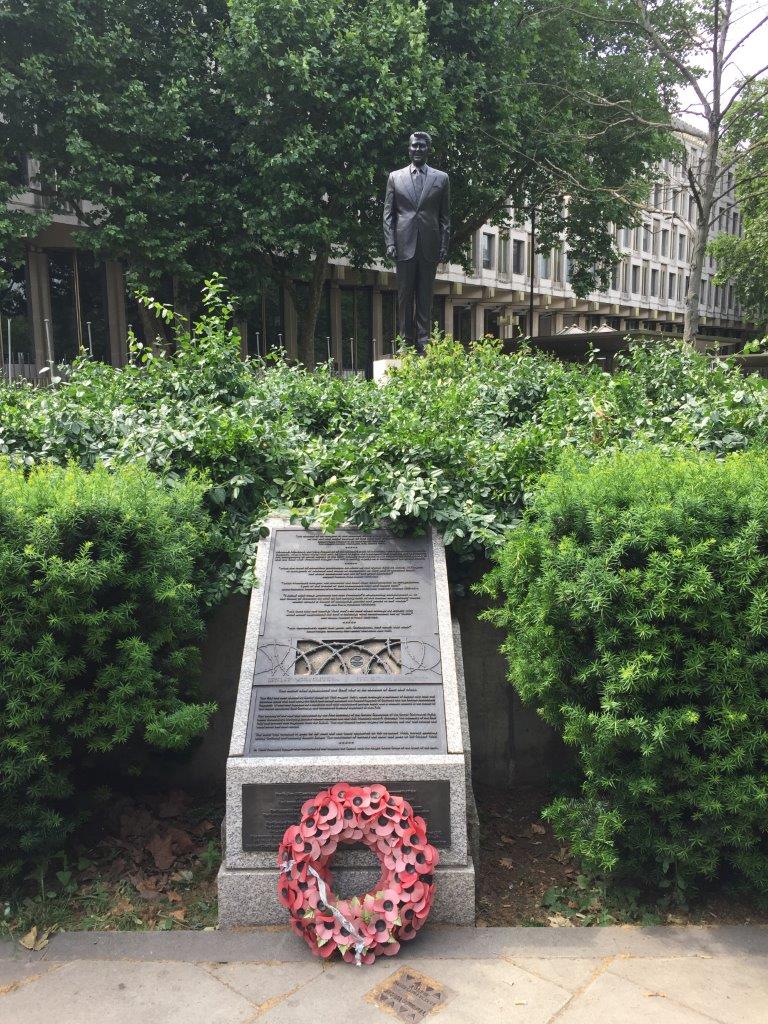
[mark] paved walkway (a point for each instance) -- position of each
(452, 975)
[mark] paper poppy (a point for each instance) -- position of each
(375, 923)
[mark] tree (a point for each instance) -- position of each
(115, 105)
(745, 259)
(711, 34)
(326, 93)
(591, 121)
(255, 137)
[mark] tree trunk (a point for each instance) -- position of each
(155, 335)
(704, 196)
(308, 315)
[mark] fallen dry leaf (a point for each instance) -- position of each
(508, 840)
(505, 862)
(174, 897)
(203, 827)
(28, 941)
(178, 915)
(166, 847)
(538, 829)
(560, 921)
(42, 942)
(173, 804)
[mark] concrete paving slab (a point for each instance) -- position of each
(569, 973)
(610, 999)
(495, 992)
(125, 993)
(475, 993)
(14, 973)
(265, 983)
(734, 991)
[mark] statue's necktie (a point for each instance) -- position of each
(418, 183)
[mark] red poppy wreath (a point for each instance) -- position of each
(375, 924)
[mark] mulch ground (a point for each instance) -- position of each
(527, 877)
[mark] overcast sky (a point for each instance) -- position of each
(752, 56)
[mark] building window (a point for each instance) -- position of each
(15, 320)
(266, 329)
(78, 290)
(644, 279)
(487, 251)
(462, 323)
(681, 246)
(654, 282)
(635, 279)
(665, 242)
(646, 238)
(544, 266)
(491, 323)
(357, 330)
(672, 286)
(615, 277)
(518, 256)
(388, 321)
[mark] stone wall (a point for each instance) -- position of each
(510, 743)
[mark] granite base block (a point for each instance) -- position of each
(249, 896)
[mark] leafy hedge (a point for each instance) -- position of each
(99, 628)
(635, 600)
(459, 439)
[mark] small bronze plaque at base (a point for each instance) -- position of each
(269, 808)
(409, 995)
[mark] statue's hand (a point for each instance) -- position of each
(391, 252)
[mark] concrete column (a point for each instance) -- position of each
(116, 318)
(449, 314)
(378, 324)
(478, 321)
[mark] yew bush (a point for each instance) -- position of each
(100, 621)
(634, 596)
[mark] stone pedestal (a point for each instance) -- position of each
(316, 707)
(381, 368)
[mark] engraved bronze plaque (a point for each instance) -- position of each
(269, 808)
(349, 583)
(291, 721)
(409, 995)
(348, 654)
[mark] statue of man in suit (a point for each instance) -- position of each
(416, 234)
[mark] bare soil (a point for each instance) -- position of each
(527, 877)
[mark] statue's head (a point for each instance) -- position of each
(419, 146)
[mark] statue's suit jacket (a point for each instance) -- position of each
(417, 226)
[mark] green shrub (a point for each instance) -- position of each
(635, 600)
(99, 630)
(458, 439)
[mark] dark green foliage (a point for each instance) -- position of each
(635, 598)
(99, 627)
(458, 439)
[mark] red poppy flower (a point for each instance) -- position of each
(362, 928)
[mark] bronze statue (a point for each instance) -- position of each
(417, 224)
